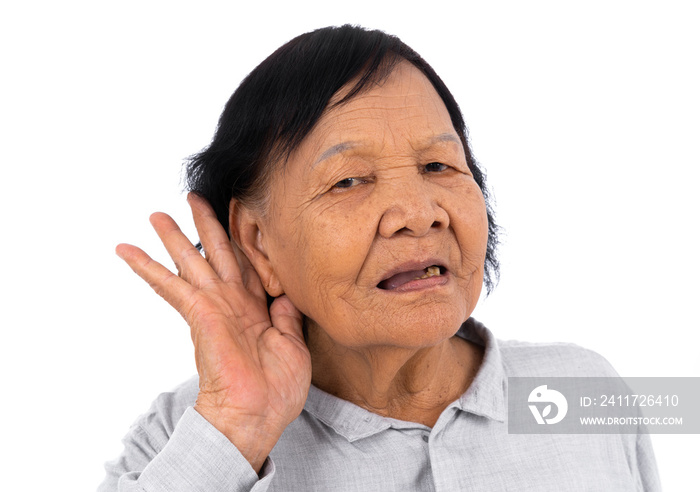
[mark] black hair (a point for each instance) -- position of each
(280, 101)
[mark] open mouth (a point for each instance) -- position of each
(402, 278)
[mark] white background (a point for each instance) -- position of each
(584, 114)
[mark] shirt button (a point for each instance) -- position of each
(425, 437)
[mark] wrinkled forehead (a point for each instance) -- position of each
(402, 107)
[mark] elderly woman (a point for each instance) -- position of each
(347, 236)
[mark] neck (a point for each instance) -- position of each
(410, 384)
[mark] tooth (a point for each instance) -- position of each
(429, 272)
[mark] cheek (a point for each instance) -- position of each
(321, 263)
(471, 225)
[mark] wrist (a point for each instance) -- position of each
(253, 436)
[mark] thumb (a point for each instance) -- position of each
(287, 318)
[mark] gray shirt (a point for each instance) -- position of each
(336, 445)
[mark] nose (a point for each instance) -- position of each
(412, 209)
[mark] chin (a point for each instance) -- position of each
(426, 326)
(430, 332)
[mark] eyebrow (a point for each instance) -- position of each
(336, 149)
(445, 137)
(343, 146)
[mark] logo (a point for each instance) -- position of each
(543, 395)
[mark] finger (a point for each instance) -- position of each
(165, 283)
(287, 318)
(189, 262)
(215, 241)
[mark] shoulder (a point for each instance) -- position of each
(526, 359)
(150, 433)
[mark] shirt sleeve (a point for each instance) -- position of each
(195, 457)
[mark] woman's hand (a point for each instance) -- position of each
(254, 368)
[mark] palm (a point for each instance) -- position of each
(254, 368)
(243, 360)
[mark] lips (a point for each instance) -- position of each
(403, 277)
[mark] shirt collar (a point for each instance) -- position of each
(484, 397)
(345, 418)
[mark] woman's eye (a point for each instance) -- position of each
(435, 167)
(347, 183)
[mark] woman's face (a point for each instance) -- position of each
(376, 229)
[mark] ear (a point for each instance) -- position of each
(246, 232)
